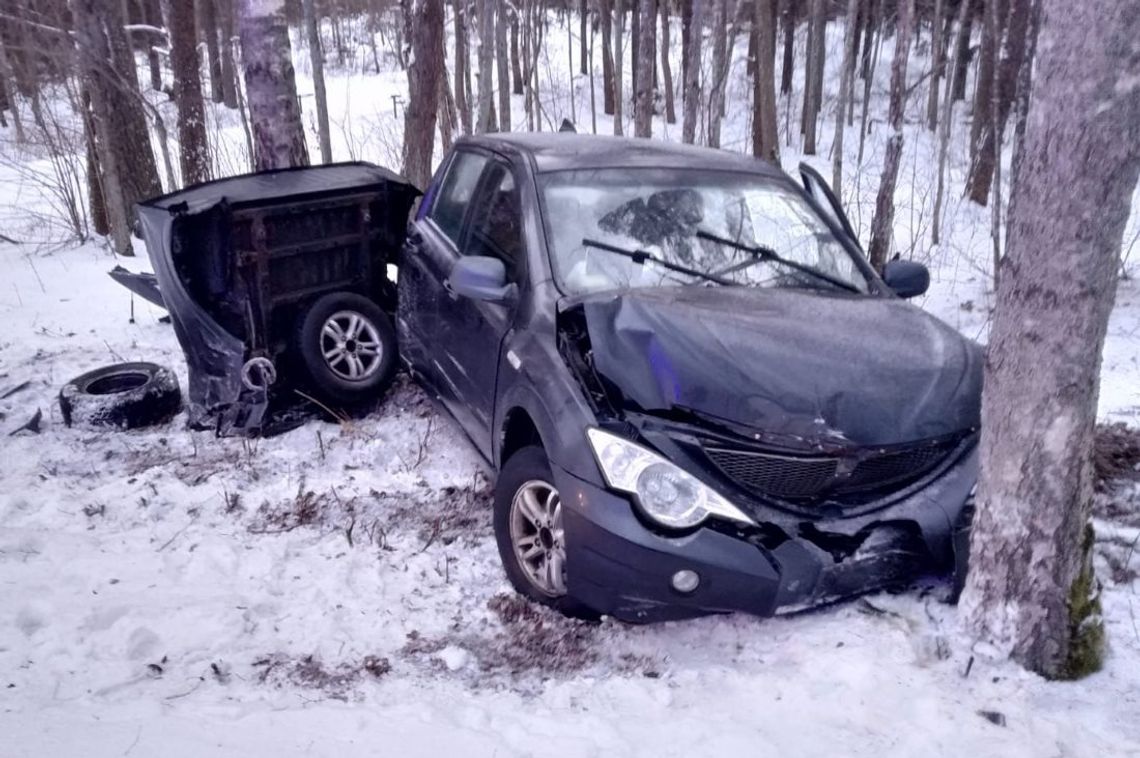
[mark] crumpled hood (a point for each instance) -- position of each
(789, 363)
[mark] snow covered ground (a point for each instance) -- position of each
(336, 590)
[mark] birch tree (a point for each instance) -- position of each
(883, 222)
(1031, 592)
(271, 86)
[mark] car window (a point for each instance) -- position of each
(496, 228)
(455, 193)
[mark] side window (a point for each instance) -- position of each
(455, 193)
(496, 230)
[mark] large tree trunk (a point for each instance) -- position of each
(607, 12)
(666, 66)
(271, 86)
(486, 11)
(765, 139)
(643, 83)
(194, 152)
(1031, 592)
(813, 77)
(317, 55)
(883, 223)
(502, 63)
(850, 33)
(208, 27)
(461, 62)
(1008, 74)
(229, 68)
(692, 84)
(424, 75)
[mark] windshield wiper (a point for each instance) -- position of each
(761, 253)
(641, 256)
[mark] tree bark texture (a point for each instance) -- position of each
(271, 86)
(788, 67)
(882, 225)
(225, 14)
(850, 34)
(194, 151)
(424, 81)
(813, 78)
(461, 62)
(765, 138)
(607, 13)
(962, 57)
(619, 65)
(643, 104)
(719, 70)
(1031, 593)
(502, 64)
(666, 65)
(937, 66)
(208, 28)
(486, 11)
(987, 67)
(317, 56)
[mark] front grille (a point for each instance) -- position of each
(807, 478)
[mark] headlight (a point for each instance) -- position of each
(668, 494)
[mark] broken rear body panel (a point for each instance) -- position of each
(238, 259)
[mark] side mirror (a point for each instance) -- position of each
(480, 277)
(906, 278)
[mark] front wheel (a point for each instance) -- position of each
(530, 532)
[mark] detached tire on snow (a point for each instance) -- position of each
(121, 396)
(347, 348)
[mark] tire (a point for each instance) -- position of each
(352, 373)
(121, 396)
(529, 469)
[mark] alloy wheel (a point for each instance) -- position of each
(350, 344)
(538, 538)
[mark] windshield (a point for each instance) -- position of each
(671, 227)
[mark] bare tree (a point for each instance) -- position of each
(937, 65)
(666, 66)
(207, 20)
(462, 104)
(962, 56)
(583, 14)
(152, 16)
(720, 64)
(503, 66)
(813, 75)
(516, 66)
(317, 55)
(692, 84)
(992, 16)
(945, 124)
(194, 152)
(225, 13)
(424, 81)
(1031, 592)
(607, 23)
(271, 86)
(850, 33)
(883, 221)
(486, 16)
(619, 54)
(643, 82)
(765, 140)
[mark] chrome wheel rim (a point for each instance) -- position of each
(538, 537)
(350, 344)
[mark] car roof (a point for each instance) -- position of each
(560, 151)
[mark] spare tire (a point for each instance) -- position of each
(121, 396)
(347, 347)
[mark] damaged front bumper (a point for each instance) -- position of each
(622, 567)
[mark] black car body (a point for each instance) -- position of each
(801, 440)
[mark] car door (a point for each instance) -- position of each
(431, 249)
(473, 330)
(821, 193)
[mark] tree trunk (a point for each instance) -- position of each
(229, 68)
(502, 63)
(516, 67)
(634, 7)
(583, 13)
(619, 54)
(850, 34)
(9, 80)
(1008, 74)
(870, 61)
(765, 140)
(813, 79)
(937, 65)
(987, 68)
(607, 12)
(666, 66)
(787, 70)
(194, 152)
(140, 174)
(1031, 592)
(316, 54)
(271, 87)
(424, 76)
(643, 106)
(945, 124)
(883, 222)
(692, 83)
(486, 11)
(208, 27)
(962, 56)
(462, 104)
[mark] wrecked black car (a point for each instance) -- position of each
(280, 276)
(699, 396)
